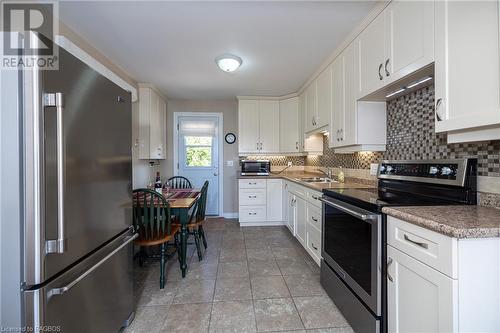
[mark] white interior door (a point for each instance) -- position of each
(198, 155)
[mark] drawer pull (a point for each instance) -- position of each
(314, 247)
(389, 262)
(314, 197)
(314, 219)
(424, 245)
(252, 196)
(250, 213)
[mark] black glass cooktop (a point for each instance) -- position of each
(374, 199)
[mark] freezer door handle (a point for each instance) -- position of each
(56, 100)
(66, 288)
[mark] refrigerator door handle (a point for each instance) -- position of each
(56, 100)
(66, 288)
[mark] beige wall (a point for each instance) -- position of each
(229, 109)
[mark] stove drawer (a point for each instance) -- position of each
(431, 248)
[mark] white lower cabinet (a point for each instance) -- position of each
(313, 242)
(260, 201)
(437, 283)
(420, 299)
(303, 217)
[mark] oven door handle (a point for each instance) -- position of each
(350, 209)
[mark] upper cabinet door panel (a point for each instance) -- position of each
(269, 119)
(248, 126)
(289, 125)
(337, 118)
(372, 56)
(324, 95)
(410, 37)
(351, 92)
(311, 106)
(467, 64)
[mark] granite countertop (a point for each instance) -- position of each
(295, 177)
(452, 221)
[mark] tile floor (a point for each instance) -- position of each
(251, 279)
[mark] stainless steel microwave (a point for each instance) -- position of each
(255, 168)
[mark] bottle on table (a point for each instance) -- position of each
(158, 185)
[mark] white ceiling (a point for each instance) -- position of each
(173, 44)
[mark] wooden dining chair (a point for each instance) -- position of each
(179, 182)
(197, 219)
(152, 219)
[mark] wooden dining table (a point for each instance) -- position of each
(181, 201)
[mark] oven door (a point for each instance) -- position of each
(352, 247)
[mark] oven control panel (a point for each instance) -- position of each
(422, 170)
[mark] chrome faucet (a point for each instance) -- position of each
(327, 173)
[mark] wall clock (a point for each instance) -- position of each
(230, 138)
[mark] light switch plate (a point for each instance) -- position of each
(230, 163)
(373, 169)
(289, 163)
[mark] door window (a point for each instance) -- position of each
(198, 151)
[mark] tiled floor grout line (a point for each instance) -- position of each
(251, 286)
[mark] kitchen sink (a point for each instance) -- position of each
(318, 180)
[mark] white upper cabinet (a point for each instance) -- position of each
(467, 70)
(289, 126)
(310, 107)
(324, 98)
(152, 141)
(356, 125)
(269, 119)
(338, 105)
(409, 37)
(302, 120)
(372, 56)
(257, 120)
(398, 42)
(248, 126)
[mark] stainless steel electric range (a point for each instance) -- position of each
(353, 270)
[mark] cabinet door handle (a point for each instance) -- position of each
(314, 247)
(296, 145)
(314, 219)
(342, 135)
(257, 146)
(389, 263)
(438, 105)
(379, 74)
(314, 197)
(387, 73)
(424, 245)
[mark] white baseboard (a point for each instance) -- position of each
(230, 215)
(262, 224)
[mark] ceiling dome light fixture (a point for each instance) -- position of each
(228, 62)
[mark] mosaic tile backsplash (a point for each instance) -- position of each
(410, 135)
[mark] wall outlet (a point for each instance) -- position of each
(230, 163)
(289, 163)
(373, 169)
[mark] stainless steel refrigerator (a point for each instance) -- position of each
(71, 236)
